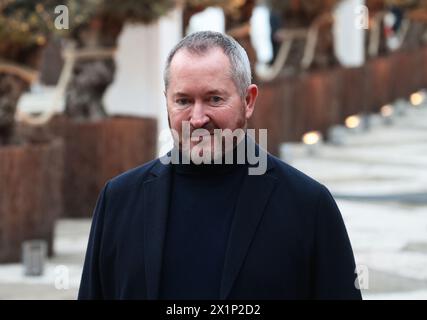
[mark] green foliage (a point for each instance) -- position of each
(144, 11)
(24, 26)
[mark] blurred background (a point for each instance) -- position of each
(342, 94)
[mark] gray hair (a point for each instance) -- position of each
(201, 42)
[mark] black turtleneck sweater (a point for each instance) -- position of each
(202, 205)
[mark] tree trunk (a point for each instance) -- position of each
(11, 88)
(85, 91)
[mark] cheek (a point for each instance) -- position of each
(229, 119)
(176, 118)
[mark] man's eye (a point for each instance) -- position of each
(182, 101)
(216, 99)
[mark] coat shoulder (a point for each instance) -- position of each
(128, 180)
(295, 181)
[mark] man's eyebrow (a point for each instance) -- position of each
(209, 92)
(180, 94)
(216, 91)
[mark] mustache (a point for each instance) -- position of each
(210, 127)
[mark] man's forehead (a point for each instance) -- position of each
(211, 57)
(192, 71)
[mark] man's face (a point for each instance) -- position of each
(202, 94)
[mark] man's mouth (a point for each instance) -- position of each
(204, 134)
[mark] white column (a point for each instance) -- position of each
(138, 85)
(133, 91)
(170, 32)
(211, 19)
(260, 33)
(348, 35)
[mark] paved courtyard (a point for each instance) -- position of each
(379, 179)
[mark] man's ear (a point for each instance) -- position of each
(251, 95)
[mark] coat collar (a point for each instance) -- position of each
(250, 206)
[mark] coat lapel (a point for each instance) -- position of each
(156, 206)
(250, 206)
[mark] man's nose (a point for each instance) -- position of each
(198, 116)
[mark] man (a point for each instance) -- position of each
(187, 230)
